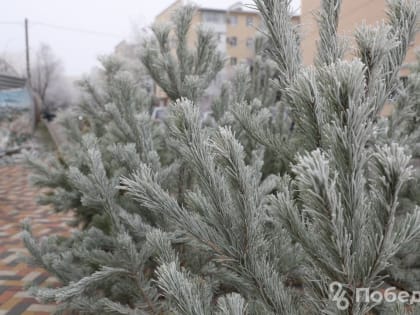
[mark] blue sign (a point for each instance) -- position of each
(16, 98)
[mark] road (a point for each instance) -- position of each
(17, 202)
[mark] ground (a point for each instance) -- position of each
(17, 202)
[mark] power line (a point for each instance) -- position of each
(65, 28)
(10, 23)
(74, 29)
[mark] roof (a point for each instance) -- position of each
(14, 92)
(236, 6)
(246, 6)
(11, 82)
(211, 10)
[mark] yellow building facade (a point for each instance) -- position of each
(353, 14)
(235, 27)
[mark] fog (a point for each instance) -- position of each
(78, 30)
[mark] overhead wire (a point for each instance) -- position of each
(74, 29)
(64, 28)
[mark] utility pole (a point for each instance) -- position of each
(28, 66)
(36, 105)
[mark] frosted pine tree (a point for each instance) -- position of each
(98, 266)
(402, 127)
(115, 110)
(225, 219)
(178, 69)
(339, 201)
(109, 135)
(240, 241)
(270, 126)
(251, 87)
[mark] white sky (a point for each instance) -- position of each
(113, 20)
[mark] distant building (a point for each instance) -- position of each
(236, 28)
(125, 49)
(14, 92)
(129, 52)
(16, 96)
(353, 14)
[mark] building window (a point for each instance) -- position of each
(212, 17)
(250, 42)
(249, 21)
(233, 41)
(233, 20)
(233, 61)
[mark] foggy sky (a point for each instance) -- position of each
(112, 20)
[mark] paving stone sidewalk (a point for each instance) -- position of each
(17, 202)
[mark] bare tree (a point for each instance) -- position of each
(7, 68)
(46, 69)
(48, 79)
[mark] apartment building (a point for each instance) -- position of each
(353, 14)
(236, 27)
